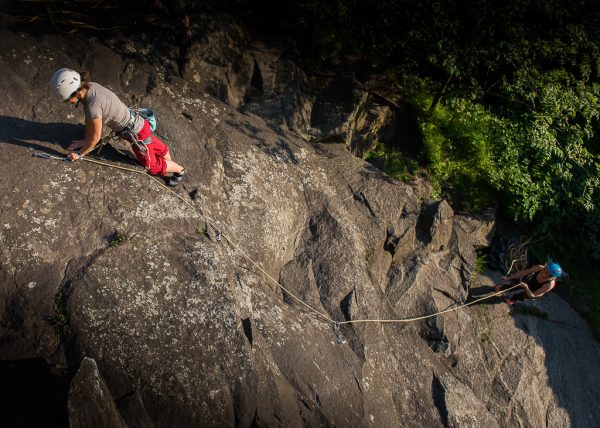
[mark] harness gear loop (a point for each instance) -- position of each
(127, 134)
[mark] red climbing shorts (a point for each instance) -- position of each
(154, 160)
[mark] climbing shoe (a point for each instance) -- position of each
(174, 180)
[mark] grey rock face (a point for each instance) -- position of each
(198, 327)
(344, 110)
(479, 228)
(247, 74)
(219, 62)
(90, 402)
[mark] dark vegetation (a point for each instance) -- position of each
(506, 95)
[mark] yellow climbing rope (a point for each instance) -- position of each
(422, 317)
(214, 226)
(266, 274)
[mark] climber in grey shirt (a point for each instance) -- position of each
(102, 106)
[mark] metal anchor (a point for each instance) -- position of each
(340, 337)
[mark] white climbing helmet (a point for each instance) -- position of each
(64, 82)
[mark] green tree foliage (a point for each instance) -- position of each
(395, 164)
(456, 139)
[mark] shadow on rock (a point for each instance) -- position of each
(371, 172)
(280, 151)
(32, 395)
(476, 293)
(571, 355)
(20, 132)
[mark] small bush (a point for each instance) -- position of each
(118, 239)
(485, 338)
(481, 263)
(456, 140)
(395, 164)
(203, 231)
(58, 321)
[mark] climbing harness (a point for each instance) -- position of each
(336, 325)
(127, 132)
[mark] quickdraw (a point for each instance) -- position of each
(338, 333)
(47, 156)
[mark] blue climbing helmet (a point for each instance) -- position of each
(554, 269)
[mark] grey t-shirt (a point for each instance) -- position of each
(103, 103)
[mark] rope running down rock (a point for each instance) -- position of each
(323, 316)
